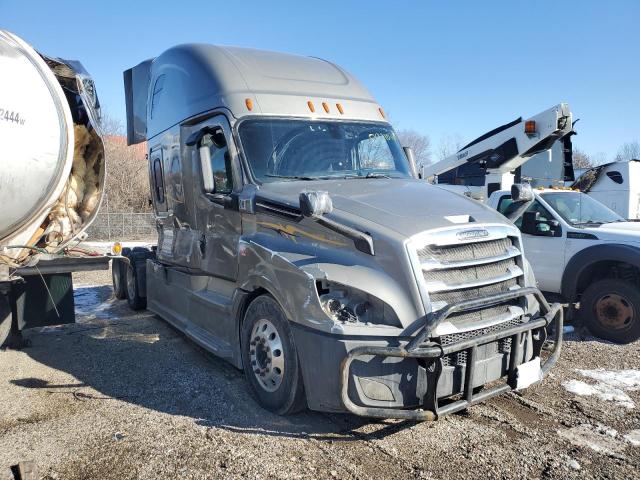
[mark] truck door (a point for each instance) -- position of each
(544, 247)
(218, 218)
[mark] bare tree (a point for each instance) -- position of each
(581, 159)
(127, 181)
(628, 151)
(419, 143)
(448, 145)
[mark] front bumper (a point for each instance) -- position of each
(433, 353)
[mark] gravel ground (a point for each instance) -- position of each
(121, 395)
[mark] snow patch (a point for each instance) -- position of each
(599, 438)
(610, 386)
(90, 302)
(633, 437)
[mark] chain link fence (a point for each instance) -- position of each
(122, 226)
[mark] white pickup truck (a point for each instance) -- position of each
(584, 252)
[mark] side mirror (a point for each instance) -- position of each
(529, 222)
(411, 158)
(205, 138)
(521, 192)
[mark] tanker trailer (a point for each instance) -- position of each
(52, 169)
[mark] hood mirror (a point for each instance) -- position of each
(315, 204)
(521, 192)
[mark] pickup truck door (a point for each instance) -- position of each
(545, 250)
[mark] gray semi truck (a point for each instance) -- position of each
(294, 242)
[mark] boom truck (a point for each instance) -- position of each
(493, 161)
(582, 253)
(51, 183)
(294, 242)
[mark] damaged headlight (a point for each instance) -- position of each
(350, 305)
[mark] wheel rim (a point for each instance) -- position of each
(266, 355)
(614, 311)
(131, 282)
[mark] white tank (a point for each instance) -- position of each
(51, 169)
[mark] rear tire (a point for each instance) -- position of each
(135, 301)
(610, 309)
(270, 358)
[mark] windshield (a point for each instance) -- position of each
(580, 209)
(278, 149)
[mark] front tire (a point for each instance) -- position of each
(270, 358)
(610, 309)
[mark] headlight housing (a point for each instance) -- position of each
(347, 304)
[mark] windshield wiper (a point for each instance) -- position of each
(292, 177)
(368, 175)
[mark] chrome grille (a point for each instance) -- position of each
(476, 251)
(454, 271)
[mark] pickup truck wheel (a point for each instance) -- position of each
(610, 309)
(270, 358)
(135, 301)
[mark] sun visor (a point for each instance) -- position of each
(136, 92)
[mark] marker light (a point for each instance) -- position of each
(340, 109)
(325, 105)
(249, 103)
(530, 127)
(381, 112)
(311, 107)
(116, 248)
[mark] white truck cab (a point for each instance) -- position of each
(583, 251)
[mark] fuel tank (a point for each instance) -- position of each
(52, 163)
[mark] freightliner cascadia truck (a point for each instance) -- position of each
(294, 242)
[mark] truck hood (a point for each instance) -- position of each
(406, 206)
(621, 232)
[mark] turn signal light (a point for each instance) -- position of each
(530, 127)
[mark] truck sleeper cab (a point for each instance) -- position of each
(294, 242)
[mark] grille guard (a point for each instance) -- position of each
(418, 347)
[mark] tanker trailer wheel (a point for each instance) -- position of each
(135, 301)
(119, 275)
(610, 309)
(5, 320)
(270, 358)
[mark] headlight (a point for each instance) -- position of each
(350, 305)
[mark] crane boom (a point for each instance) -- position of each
(501, 151)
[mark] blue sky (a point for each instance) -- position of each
(442, 68)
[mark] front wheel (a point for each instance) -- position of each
(610, 309)
(270, 358)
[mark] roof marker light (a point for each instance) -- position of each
(381, 112)
(249, 103)
(311, 107)
(530, 127)
(325, 105)
(340, 109)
